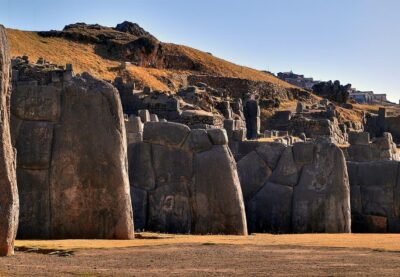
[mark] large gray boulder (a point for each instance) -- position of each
(185, 181)
(72, 161)
(9, 206)
(302, 188)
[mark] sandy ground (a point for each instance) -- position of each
(165, 255)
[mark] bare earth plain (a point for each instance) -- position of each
(162, 255)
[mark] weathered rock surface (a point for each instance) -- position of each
(218, 198)
(72, 160)
(254, 172)
(375, 196)
(270, 210)
(165, 133)
(286, 171)
(9, 206)
(302, 188)
(90, 187)
(132, 28)
(321, 200)
(252, 114)
(188, 181)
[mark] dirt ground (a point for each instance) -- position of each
(164, 255)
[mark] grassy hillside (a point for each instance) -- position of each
(220, 67)
(84, 58)
(61, 51)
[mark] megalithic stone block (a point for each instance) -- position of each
(9, 203)
(134, 125)
(72, 172)
(359, 138)
(90, 196)
(153, 117)
(252, 114)
(299, 189)
(185, 181)
(144, 115)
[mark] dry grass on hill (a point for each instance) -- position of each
(288, 106)
(349, 115)
(149, 78)
(61, 51)
(220, 67)
(367, 107)
(154, 77)
(84, 58)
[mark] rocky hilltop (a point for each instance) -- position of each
(82, 32)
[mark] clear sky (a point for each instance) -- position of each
(354, 41)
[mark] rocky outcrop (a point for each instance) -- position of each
(95, 33)
(185, 181)
(72, 159)
(302, 188)
(375, 196)
(133, 29)
(333, 91)
(126, 42)
(9, 205)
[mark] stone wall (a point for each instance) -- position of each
(200, 119)
(242, 148)
(242, 88)
(312, 127)
(9, 204)
(297, 189)
(386, 121)
(362, 149)
(185, 181)
(72, 159)
(171, 107)
(375, 196)
(392, 125)
(160, 103)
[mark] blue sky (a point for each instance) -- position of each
(354, 41)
